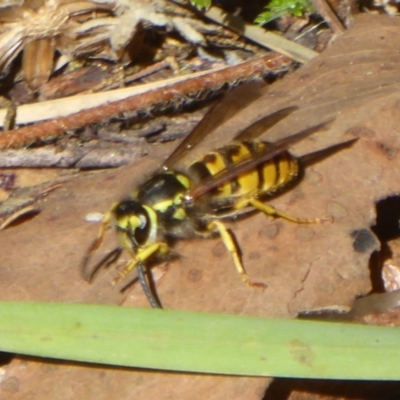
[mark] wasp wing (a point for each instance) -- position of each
(238, 99)
(250, 163)
(262, 125)
(319, 155)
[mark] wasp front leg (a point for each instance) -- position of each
(142, 255)
(104, 224)
(152, 299)
(229, 242)
(97, 243)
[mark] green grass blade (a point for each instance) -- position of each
(197, 342)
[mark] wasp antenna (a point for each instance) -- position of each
(146, 286)
(89, 273)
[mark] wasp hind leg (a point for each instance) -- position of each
(273, 212)
(232, 247)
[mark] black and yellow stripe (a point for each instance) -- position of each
(267, 178)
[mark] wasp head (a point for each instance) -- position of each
(136, 222)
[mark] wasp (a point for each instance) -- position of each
(196, 199)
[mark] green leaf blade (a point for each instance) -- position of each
(199, 342)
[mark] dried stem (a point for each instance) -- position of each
(329, 16)
(209, 81)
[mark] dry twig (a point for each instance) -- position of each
(146, 101)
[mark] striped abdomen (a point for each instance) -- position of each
(265, 179)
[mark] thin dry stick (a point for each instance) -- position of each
(329, 16)
(50, 129)
(167, 63)
(261, 36)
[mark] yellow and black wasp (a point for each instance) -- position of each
(195, 199)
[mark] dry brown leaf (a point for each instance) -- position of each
(76, 28)
(355, 80)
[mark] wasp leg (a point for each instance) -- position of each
(104, 223)
(273, 212)
(231, 246)
(141, 256)
(146, 286)
(96, 244)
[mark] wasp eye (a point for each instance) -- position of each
(143, 220)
